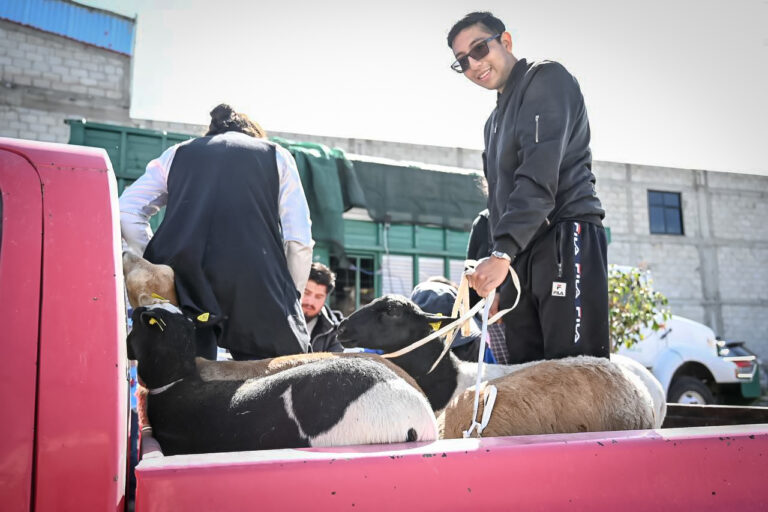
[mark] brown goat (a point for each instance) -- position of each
(576, 394)
(142, 279)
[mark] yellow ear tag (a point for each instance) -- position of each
(203, 317)
(436, 325)
(159, 323)
(156, 296)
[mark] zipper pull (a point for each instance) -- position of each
(537, 128)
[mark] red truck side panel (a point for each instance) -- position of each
(705, 468)
(82, 394)
(22, 218)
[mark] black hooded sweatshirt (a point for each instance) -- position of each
(537, 159)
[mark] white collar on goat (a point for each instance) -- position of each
(157, 391)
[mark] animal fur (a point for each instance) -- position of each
(393, 322)
(143, 278)
(241, 370)
(577, 394)
(326, 402)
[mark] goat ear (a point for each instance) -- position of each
(205, 319)
(151, 319)
(439, 320)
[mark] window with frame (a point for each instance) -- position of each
(665, 213)
(355, 282)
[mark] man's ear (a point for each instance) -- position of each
(506, 41)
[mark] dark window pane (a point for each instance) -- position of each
(664, 212)
(367, 286)
(657, 220)
(672, 200)
(672, 218)
(346, 295)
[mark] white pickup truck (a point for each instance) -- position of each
(695, 367)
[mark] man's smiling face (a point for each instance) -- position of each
(491, 71)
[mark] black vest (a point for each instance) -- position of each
(221, 235)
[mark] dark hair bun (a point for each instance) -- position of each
(225, 119)
(222, 113)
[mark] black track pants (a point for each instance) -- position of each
(563, 309)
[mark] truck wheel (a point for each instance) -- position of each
(690, 390)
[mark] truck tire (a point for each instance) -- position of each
(690, 390)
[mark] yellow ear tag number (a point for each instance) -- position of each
(158, 297)
(203, 317)
(436, 325)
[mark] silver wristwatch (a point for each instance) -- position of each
(501, 255)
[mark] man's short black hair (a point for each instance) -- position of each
(484, 18)
(321, 274)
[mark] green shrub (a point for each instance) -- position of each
(633, 306)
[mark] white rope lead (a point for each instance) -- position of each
(480, 368)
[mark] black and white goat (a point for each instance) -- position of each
(393, 322)
(329, 402)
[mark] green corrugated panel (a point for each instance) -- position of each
(360, 233)
(456, 241)
(320, 253)
(399, 236)
(141, 145)
(107, 139)
(430, 239)
(129, 149)
(139, 151)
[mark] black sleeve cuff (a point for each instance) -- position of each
(507, 245)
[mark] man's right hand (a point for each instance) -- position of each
(488, 275)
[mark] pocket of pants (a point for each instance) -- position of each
(559, 240)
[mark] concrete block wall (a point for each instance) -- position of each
(46, 78)
(717, 272)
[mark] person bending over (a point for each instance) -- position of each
(236, 232)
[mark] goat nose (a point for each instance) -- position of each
(342, 327)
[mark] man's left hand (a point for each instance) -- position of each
(488, 275)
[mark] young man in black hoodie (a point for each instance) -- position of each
(544, 215)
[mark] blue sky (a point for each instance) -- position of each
(673, 83)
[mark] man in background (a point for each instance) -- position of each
(322, 322)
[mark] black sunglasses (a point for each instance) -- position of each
(477, 52)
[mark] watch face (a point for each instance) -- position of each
(501, 255)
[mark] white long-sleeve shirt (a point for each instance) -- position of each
(148, 194)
